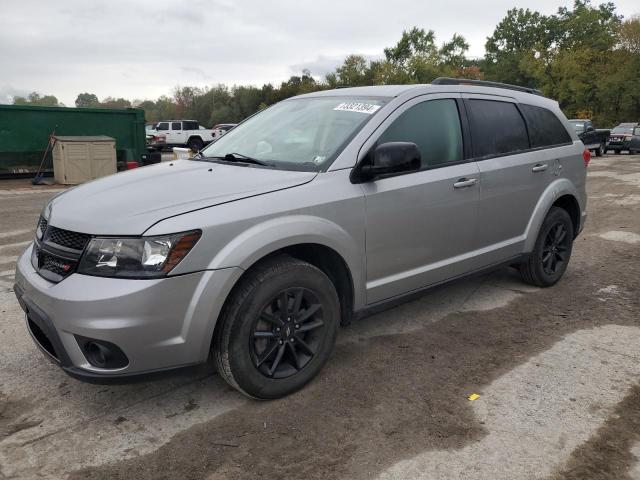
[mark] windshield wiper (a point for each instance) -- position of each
(232, 157)
(239, 157)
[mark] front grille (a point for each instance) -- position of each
(54, 264)
(42, 227)
(67, 239)
(56, 252)
(42, 339)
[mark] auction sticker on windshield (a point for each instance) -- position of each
(367, 108)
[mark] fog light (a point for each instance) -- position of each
(102, 354)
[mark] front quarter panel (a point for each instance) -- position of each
(328, 211)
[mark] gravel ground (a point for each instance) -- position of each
(557, 372)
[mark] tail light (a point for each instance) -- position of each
(586, 156)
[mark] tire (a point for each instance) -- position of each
(552, 251)
(600, 150)
(617, 152)
(262, 351)
(195, 144)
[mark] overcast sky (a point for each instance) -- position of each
(137, 49)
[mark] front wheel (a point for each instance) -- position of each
(277, 329)
(550, 256)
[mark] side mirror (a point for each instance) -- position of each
(392, 157)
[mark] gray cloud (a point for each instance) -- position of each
(140, 49)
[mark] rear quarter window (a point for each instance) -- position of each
(497, 128)
(545, 129)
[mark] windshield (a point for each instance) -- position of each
(578, 126)
(298, 134)
(619, 129)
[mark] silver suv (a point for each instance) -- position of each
(306, 214)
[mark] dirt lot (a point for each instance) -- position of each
(557, 371)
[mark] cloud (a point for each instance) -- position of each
(138, 49)
(7, 92)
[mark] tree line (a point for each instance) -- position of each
(587, 57)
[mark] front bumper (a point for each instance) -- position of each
(159, 324)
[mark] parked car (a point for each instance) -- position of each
(183, 133)
(313, 211)
(220, 129)
(594, 139)
(625, 136)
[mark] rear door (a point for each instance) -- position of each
(517, 159)
(421, 225)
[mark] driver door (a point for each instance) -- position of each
(420, 226)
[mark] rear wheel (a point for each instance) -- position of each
(277, 329)
(550, 256)
(600, 150)
(195, 144)
(617, 152)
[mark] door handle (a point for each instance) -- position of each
(465, 182)
(540, 167)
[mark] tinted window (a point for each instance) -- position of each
(434, 126)
(496, 128)
(163, 126)
(191, 125)
(176, 126)
(545, 129)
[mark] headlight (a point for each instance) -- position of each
(139, 257)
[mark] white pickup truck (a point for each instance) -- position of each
(183, 133)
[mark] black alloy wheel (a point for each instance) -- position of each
(277, 328)
(548, 260)
(287, 333)
(555, 250)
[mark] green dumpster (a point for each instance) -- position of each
(25, 130)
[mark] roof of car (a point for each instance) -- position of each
(370, 91)
(390, 91)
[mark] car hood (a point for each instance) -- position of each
(128, 203)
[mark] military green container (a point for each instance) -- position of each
(25, 130)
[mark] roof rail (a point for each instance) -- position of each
(484, 83)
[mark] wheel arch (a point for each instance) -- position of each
(196, 137)
(315, 240)
(562, 193)
(325, 258)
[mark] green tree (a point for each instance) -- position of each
(34, 98)
(353, 72)
(87, 100)
(112, 102)
(519, 41)
(453, 53)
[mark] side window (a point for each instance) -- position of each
(545, 129)
(434, 126)
(162, 126)
(176, 126)
(190, 125)
(497, 128)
